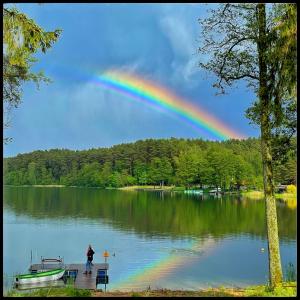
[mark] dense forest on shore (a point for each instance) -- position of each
(182, 162)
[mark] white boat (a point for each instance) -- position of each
(49, 275)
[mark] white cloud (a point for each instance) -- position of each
(181, 33)
(185, 71)
(178, 34)
(132, 67)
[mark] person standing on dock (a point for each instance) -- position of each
(89, 254)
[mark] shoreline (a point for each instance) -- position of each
(248, 194)
(286, 289)
(278, 196)
(37, 185)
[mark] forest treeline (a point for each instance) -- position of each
(182, 162)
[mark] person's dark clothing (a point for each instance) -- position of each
(90, 254)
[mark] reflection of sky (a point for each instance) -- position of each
(236, 260)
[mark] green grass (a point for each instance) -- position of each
(68, 291)
(260, 195)
(286, 196)
(150, 187)
(286, 289)
(178, 188)
(253, 194)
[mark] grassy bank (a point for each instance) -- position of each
(48, 185)
(37, 185)
(286, 196)
(146, 187)
(259, 194)
(287, 289)
(253, 194)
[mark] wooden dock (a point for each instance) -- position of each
(82, 281)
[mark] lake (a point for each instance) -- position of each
(160, 239)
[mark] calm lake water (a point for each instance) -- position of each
(161, 240)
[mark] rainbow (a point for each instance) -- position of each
(163, 267)
(157, 96)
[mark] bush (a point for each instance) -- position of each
(291, 189)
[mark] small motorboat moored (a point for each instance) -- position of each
(48, 275)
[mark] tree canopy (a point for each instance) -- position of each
(228, 164)
(257, 42)
(22, 38)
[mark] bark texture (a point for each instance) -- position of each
(275, 271)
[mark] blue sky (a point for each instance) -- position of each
(155, 41)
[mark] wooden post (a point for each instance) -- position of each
(106, 255)
(105, 280)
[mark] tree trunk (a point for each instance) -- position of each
(275, 272)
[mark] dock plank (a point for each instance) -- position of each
(85, 281)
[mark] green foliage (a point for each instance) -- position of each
(285, 47)
(32, 173)
(188, 166)
(230, 37)
(287, 289)
(285, 172)
(160, 170)
(22, 38)
(141, 173)
(257, 42)
(230, 165)
(292, 189)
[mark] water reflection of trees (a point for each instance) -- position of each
(151, 213)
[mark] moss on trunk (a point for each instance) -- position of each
(275, 271)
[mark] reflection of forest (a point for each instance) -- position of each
(151, 213)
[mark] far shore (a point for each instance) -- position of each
(147, 187)
(49, 185)
(38, 185)
(248, 194)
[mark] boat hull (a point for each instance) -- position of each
(38, 285)
(40, 277)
